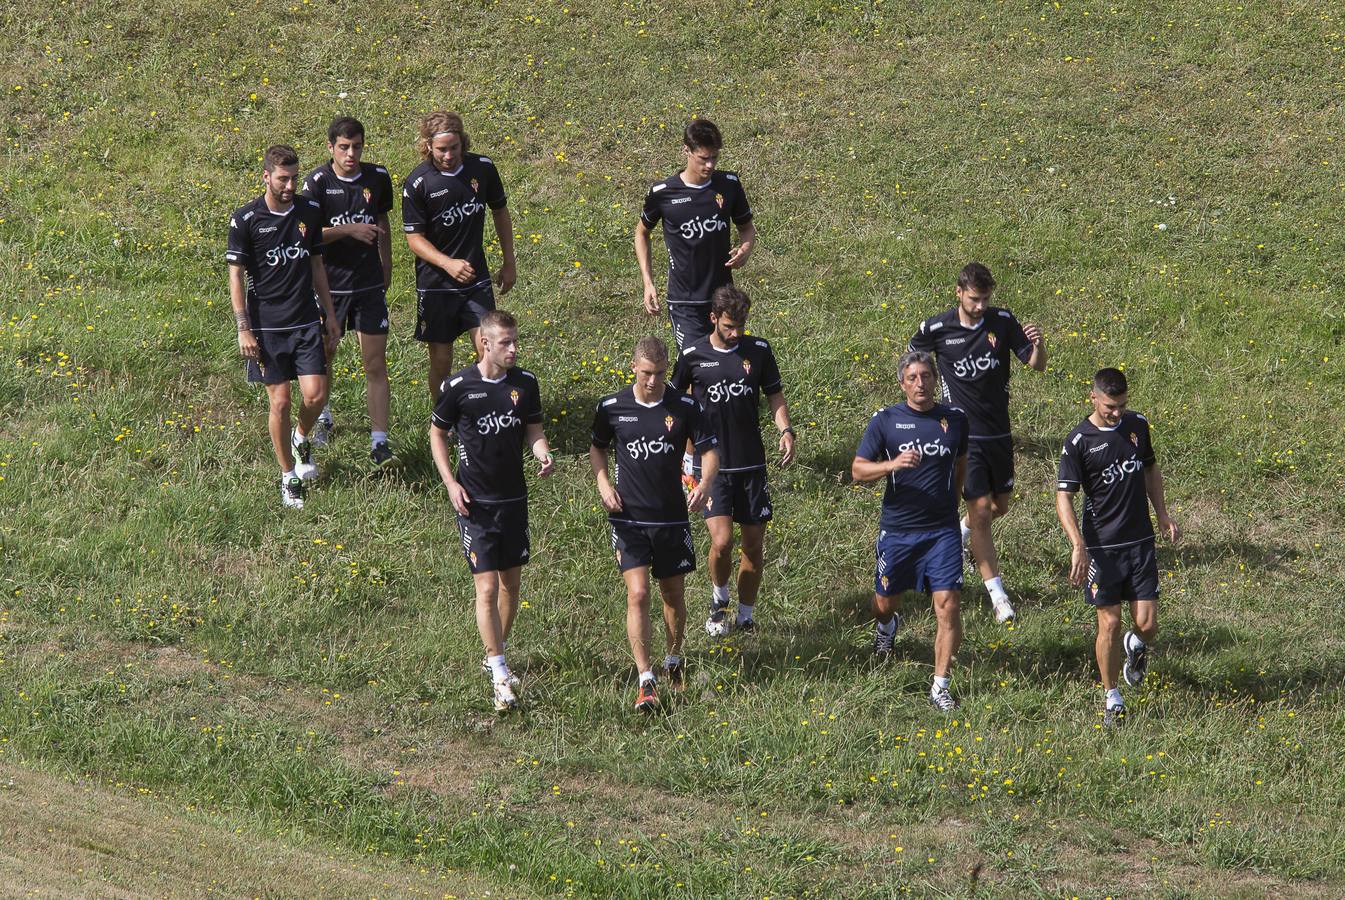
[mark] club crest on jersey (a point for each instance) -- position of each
(943, 423)
(990, 336)
(747, 367)
(719, 200)
(668, 421)
(303, 230)
(513, 397)
(368, 196)
(1134, 439)
(476, 186)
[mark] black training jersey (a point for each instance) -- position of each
(276, 249)
(351, 265)
(974, 364)
(729, 385)
(696, 230)
(450, 210)
(923, 498)
(1109, 463)
(491, 419)
(649, 440)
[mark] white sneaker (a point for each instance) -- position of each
(504, 696)
(942, 699)
(1003, 609)
(718, 624)
(515, 684)
(292, 492)
(304, 466)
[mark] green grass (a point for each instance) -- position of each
(165, 628)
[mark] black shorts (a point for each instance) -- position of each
(666, 549)
(690, 323)
(365, 311)
(441, 316)
(495, 536)
(989, 468)
(285, 355)
(743, 495)
(1122, 575)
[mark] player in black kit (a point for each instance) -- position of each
(495, 410)
(728, 373)
(1110, 455)
(275, 269)
(646, 427)
(696, 206)
(920, 448)
(444, 203)
(974, 343)
(355, 198)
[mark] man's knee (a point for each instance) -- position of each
(637, 597)
(1145, 614)
(1109, 621)
(947, 606)
(999, 504)
(375, 366)
(980, 510)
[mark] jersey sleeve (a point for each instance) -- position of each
(965, 440)
(309, 187)
(702, 435)
(532, 404)
(445, 415)
(1145, 444)
(312, 213)
(1070, 476)
(681, 376)
(493, 192)
(740, 210)
(770, 373)
(872, 446)
(1018, 341)
(923, 339)
(603, 433)
(414, 218)
(652, 212)
(238, 251)
(384, 192)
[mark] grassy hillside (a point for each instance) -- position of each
(1159, 189)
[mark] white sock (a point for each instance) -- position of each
(298, 437)
(888, 627)
(966, 530)
(744, 613)
(670, 661)
(288, 475)
(688, 464)
(996, 588)
(721, 595)
(941, 683)
(498, 668)
(377, 437)
(646, 676)
(1114, 698)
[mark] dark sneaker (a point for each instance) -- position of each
(383, 456)
(747, 626)
(1113, 717)
(675, 675)
(646, 698)
(1137, 659)
(882, 643)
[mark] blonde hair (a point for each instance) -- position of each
(438, 122)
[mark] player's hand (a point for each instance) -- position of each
(611, 500)
(458, 494)
(697, 498)
(907, 459)
(651, 299)
(1078, 566)
(1170, 530)
(505, 278)
(460, 270)
(332, 337)
(738, 256)
(364, 232)
(786, 448)
(1033, 334)
(247, 344)
(548, 466)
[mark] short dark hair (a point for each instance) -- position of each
(732, 302)
(344, 127)
(279, 155)
(498, 318)
(652, 349)
(702, 134)
(977, 277)
(1111, 382)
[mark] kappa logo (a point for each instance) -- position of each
(383, 324)
(668, 421)
(1098, 449)
(337, 192)
(685, 563)
(628, 418)
(764, 512)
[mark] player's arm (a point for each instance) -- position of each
(504, 232)
(541, 450)
(1078, 560)
(747, 238)
(364, 232)
(238, 292)
(1153, 486)
(644, 256)
(459, 270)
(385, 249)
(325, 298)
(780, 415)
(697, 496)
(443, 461)
(862, 469)
(611, 500)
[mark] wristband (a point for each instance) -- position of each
(788, 429)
